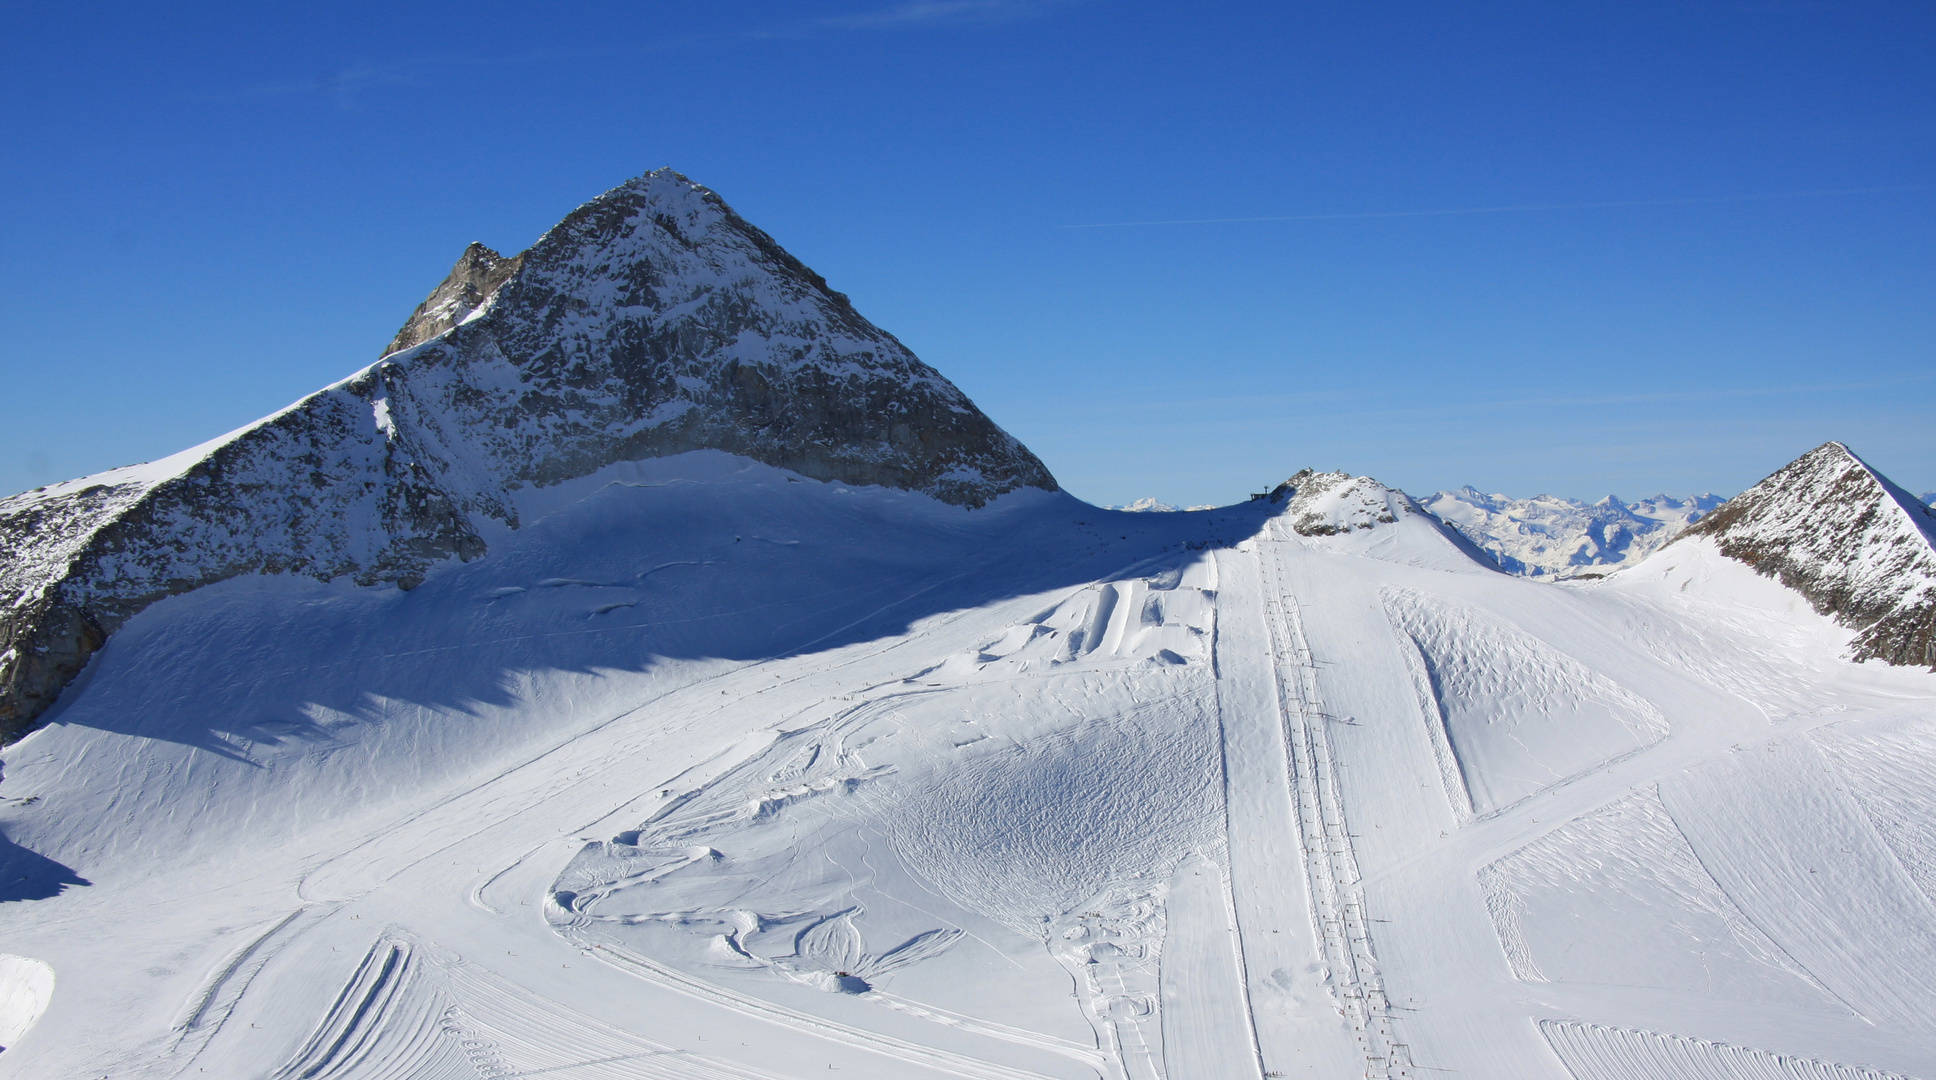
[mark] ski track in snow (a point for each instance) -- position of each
(1595, 1052)
(1336, 888)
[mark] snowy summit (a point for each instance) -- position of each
(649, 670)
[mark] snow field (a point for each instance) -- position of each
(1590, 901)
(711, 772)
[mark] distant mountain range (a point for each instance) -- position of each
(1546, 536)
(1550, 537)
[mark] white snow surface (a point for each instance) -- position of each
(1550, 537)
(711, 770)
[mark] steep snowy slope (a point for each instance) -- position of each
(719, 766)
(1552, 537)
(651, 321)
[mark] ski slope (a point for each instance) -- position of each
(712, 770)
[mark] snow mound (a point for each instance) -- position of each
(25, 988)
(1549, 537)
(1857, 546)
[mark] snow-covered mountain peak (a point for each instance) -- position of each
(654, 320)
(651, 321)
(1857, 546)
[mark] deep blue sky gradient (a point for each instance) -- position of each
(1702, 242)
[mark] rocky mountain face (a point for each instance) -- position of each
(472, 283)
(1554, 538)
(1858, 547)
(651, 321)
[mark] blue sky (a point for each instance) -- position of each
(1561, 248)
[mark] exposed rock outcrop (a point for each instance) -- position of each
(1858, 547)
(651, 321)
(471, 285)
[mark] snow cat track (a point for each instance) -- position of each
(1336, 889)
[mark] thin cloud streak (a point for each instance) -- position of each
(1512, 209)
(343, 83)
(923, 12)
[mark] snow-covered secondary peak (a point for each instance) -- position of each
(1550, 537)
(1329, 503)
(1357, 515)
(652, 321)
(1857, 546)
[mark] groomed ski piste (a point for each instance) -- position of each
(713, 771)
